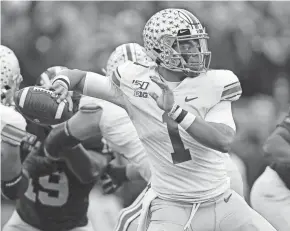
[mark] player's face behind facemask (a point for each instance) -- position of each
(189, 55)
(10, 75)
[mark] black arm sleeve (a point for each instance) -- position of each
(14, 188)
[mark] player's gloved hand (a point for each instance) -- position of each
(28, 143)
(164, 101)
(58, 141)
(36, 164)
(113, 178)
(62, 92)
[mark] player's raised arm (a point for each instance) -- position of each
(277, 146)
(86, 165)
(213, 132)
(87, 83)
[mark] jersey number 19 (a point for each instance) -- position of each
(52, 193)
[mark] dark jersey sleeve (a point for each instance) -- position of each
(14, 188)
(37, 164)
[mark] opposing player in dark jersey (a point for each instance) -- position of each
(119, 134)
(57, 196)
(270, 194)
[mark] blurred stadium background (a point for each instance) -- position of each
(249, 38)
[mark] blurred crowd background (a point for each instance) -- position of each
(249, 38)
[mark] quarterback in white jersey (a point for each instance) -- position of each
(129, 216)
(176, 157)
(182, 113)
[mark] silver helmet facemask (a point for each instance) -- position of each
(176, 60)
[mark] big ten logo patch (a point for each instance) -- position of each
(140, 87)
(142, 94)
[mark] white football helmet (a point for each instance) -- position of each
(129, 51)
(169, 28)
(10, 75)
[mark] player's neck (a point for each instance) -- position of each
(171, 76)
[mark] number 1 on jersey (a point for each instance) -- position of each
(180, 154)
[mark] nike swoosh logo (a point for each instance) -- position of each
(189, 99)
(228, 198)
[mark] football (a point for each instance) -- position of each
(40, 106)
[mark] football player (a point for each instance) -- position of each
(57, 194)
(14, 179)
(182, 112)
(11, 168)
(128, 219)
(270, 194)
(17, 145)
(114, 124)
(118, 133)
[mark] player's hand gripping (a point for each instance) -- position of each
(166, 100)
(62, 93)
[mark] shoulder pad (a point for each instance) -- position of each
(128, 71)
(229, 85)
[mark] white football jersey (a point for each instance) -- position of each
(182, 168)
(120, 134)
